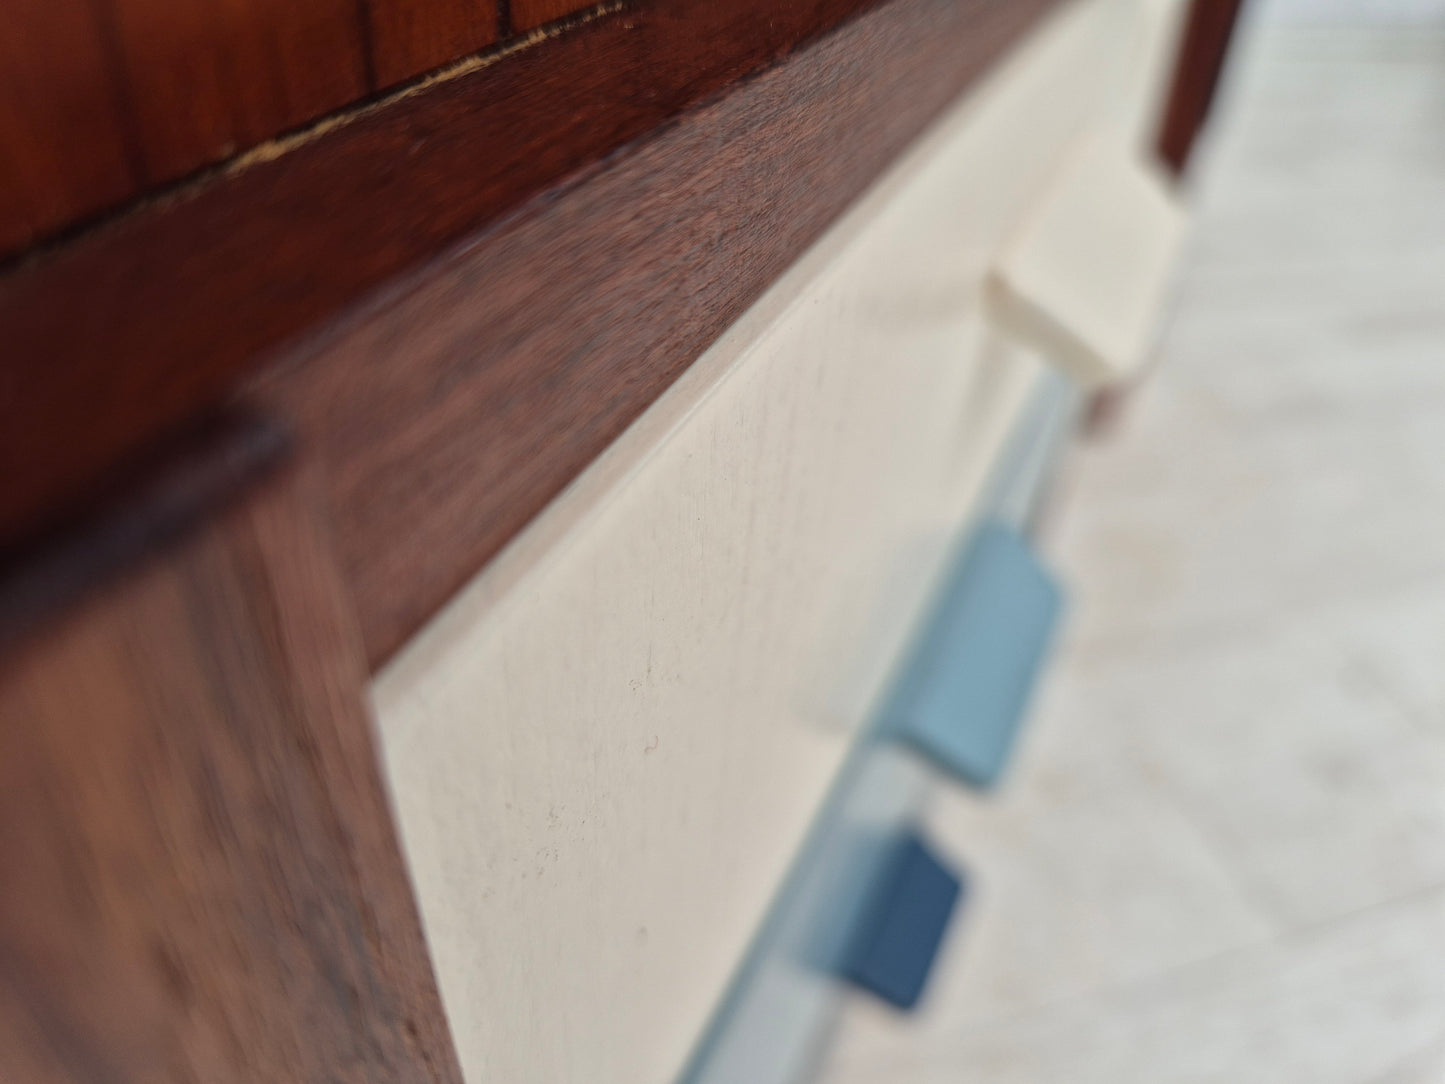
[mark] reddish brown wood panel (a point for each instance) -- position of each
(131, 329)
(147, 504)
(614, 280)
(63, 150)
(449, 418)
(409, 37)
(206, 79)
(527, 14)
(202, 881)
(1202, 53)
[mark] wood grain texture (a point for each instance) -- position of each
(527, 14)
(636, 266)
(205, 80)
(148, 503)
(130, 330)
(409, 37)
(1202, 54)
(202, 879)
(63, 146)
(449, 418)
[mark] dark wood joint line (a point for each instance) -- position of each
(203, 878)
(1199, 66)
(144, 505)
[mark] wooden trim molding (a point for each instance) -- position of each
(132, 328)
(202, 878)
(472, 293)
(448, 418)
(178, 484)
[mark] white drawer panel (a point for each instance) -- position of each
(605, 752)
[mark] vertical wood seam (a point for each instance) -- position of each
(368, 45)
(117, 76)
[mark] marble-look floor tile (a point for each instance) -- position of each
(1214, 529)
(1293, 757)
(1360, 1002)
(1066, 898)
(1221, 851)
(1398, 643)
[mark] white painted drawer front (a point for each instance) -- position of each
(606, 751)
(1085, 276)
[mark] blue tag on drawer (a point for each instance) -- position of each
(965, 690)
(907, 913)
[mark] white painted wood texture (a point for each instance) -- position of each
(1135, 102)
(1083, 279)
(606, 751)
(1082, 276)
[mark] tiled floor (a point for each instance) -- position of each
(1221, 856)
